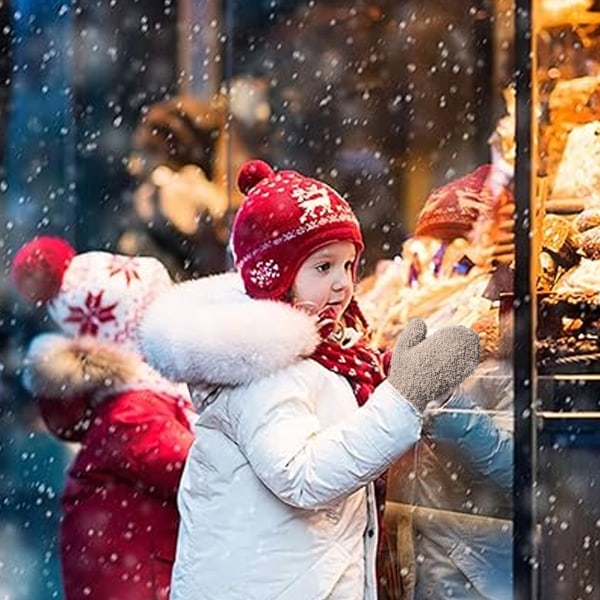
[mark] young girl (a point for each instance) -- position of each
(133, 427)
(296, 418)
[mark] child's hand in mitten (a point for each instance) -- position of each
(424, 368)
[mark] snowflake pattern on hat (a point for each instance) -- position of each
(264, 273)
(91, 314)
(105, 295)
(126, 266)
(96, 294)
(339, 216)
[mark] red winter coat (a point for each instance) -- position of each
(120, 523)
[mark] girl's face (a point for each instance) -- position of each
(325, 279)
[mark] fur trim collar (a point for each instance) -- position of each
(57, 366)
(63, 368)
(209, 331)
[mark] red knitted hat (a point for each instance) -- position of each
(284, 219)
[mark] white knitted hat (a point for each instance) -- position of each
(99, 294)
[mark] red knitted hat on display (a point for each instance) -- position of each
(452, 209)
(284, 219)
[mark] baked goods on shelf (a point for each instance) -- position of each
(588, 225)
(561, 11)
(577, 182)
(560, 238)
(568, 354)
(582, 279)
(590, 243)
(559, 250)
(569, 322)
(567, 108)
(588, 219)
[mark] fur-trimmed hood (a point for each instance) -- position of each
(209, 331)
(69, 376)
(59, 366)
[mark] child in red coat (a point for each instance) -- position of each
(93, 387)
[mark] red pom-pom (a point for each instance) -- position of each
(38, 267)
(252, 173)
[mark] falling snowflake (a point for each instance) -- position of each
(92, 314)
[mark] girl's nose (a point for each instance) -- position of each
(341, 281)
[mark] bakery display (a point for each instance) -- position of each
(449, 271)
(457, 267)
(568, 274)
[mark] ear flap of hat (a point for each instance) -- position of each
(38, 268)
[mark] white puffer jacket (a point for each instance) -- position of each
(275, 499)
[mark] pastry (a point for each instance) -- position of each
(548, 272)
(578, 174)
(583, 279)
(565, 206)
(587, 219)
(560, 238)
(590, 243)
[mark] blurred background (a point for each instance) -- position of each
(123, 124)
(386, 100)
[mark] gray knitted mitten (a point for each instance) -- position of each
(424, 368)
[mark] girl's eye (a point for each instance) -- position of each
(323, 267)
(348, 265)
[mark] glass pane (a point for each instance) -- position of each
(408, 109)
(567, 79)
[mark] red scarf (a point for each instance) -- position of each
(363, 367)
(360, 364)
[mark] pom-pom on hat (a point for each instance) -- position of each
(38, 268)
(99, 294)
(284, 218)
